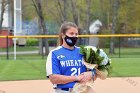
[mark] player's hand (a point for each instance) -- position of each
(87, 77)
(79, 77)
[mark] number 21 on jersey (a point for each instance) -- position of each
(75, 71)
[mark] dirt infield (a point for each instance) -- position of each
(110, 85)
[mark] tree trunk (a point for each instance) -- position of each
(65, 9)
(114, 15)
(62, 10)
(43, 31)
(88, 15)
(74, 12)
(40, 46)
(3, 5)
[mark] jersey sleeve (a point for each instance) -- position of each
(52, 64)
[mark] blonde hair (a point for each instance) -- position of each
(63, 29)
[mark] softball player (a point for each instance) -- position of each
(64, 64)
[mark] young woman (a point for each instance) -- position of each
(64, 64)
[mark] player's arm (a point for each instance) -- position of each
(62, 79)
(53, 71)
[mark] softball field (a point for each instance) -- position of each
(110, 85)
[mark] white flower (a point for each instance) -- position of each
(92, 47)
(106, 59)
(102, 54)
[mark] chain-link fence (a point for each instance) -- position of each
(28, 46)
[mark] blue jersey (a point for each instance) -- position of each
(66, 62)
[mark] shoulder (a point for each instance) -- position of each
(77, 48)
(56, 49)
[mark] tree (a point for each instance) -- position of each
(43, 30)
(62, 9)
(88, 2)
(115, 8)
(3, 6)
(129, 16)
(74, 11)
(122, 16)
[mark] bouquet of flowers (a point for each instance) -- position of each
(94, 58)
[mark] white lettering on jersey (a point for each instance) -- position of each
(76, 63)
(71, 63)
(81, 62)
(67, 63)
(62, 63)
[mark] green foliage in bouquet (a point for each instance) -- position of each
(93, 57)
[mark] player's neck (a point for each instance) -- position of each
(67, 46)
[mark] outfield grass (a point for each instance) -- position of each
(124, 53)
(23, 56)
(22, 69)
(20, 48)
(31, 69)
(123, 67)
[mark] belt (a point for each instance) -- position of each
(65, 89)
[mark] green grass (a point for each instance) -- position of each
(122, 67)
(23, 56)
(22, 69)
(124, 52)
(20, 48)
(32, 69)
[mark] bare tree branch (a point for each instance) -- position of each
(65, 2)
(60, 7)
(59, 12)
(3, 6)
(88, 13)
(74, 12)
(62, 10)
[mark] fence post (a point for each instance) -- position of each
(42, 48)
(7, 48)
(119, 47)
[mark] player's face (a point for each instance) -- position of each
(72, 32)
(70, 37)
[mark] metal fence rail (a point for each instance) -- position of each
(86, 36)
(118, 37)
